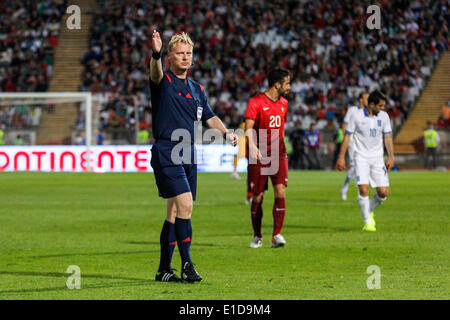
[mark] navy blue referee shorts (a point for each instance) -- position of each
(173, 179)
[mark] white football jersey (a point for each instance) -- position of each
(347, 117)
(368, 132)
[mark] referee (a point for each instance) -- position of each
(177, 103)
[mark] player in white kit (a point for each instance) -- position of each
(368, 126)
(362, 99)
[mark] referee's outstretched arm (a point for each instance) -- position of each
(156, 70)
(216, 123)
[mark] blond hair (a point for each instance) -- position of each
(183, 38)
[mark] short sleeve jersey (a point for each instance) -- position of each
(349, 113)
(177, 104)
(271, 116)
(368, 132)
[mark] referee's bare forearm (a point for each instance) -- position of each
(216, 123)
(156, 71)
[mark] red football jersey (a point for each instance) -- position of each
(271, 116)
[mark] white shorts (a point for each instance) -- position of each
(350, 156)
(371, 170)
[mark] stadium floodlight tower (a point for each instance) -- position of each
(43, 98)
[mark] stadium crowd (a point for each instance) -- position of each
(331, 54)
(28, 36)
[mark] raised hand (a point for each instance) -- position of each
(156, 42)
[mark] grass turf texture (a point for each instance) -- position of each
(109, 225)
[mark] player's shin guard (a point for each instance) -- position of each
(183, 231)
(167, 242)
(376, 201)
(257, 214)
(279, 211)
(364, 206)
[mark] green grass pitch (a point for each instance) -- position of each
(108, 225)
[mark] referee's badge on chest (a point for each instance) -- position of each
(199, 110)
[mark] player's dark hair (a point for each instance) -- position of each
(276, 75)
(361, 94)
(376, 96)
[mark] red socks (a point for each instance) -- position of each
(279, 211)
(257, 214)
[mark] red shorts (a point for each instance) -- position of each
(252, 177)
(260, 180)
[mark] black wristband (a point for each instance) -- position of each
(225, 136)
(156, 55)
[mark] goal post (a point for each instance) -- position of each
(30, 98)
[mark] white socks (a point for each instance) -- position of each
(364, 206)
(350, 175)
(376, 201)
(367, 206)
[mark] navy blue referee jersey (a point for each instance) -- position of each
(176, 104)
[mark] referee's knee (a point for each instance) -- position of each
(184, 209)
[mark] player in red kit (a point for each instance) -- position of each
(252, 175)
(264, 126)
